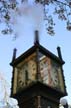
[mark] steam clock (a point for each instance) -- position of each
(37, 78)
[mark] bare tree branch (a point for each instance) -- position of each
(61, 8)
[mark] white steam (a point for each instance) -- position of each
(27, 17)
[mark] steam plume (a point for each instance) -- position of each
(27, 17)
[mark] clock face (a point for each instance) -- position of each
(49, 71)
(32, 69)
(20, 79)
(44, 69)
(54, 74)
(22, 72)
(27, 72)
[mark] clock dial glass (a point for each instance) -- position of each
(27, 71)
(21, 78)
(54, 74)
(49, 70)
(44, 68)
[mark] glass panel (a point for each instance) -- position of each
(50, 71)
(27, 71)
(54, 74)
(44, 68)
(32, 68)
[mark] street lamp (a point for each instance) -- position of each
(64, 103)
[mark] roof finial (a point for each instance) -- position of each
(36, 41)
(59, 52)
(14, 54)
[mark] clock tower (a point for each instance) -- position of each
(37, 78)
